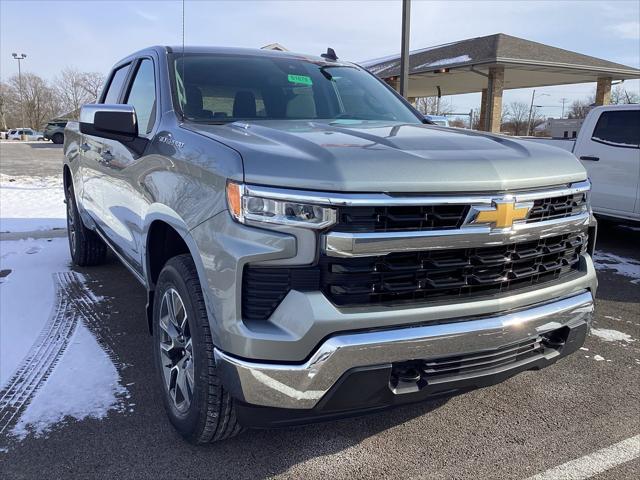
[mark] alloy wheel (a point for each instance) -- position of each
(176, 350)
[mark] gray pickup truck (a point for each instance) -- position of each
(312, 248)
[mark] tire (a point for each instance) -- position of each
(57, 138)
(86, 247)
(205, 412)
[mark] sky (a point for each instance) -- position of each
(92, 35)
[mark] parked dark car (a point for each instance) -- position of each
(54, 131)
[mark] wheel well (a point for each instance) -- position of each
(163, 243)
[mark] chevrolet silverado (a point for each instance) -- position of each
(312, 247)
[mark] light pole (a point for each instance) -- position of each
(404, 53)
(533, 96)
(20, 57)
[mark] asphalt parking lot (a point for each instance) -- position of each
(524, 426)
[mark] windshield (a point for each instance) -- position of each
(217, 88)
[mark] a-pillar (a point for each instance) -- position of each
(494, 99)
(603, 91)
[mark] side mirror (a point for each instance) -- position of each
(115, 122)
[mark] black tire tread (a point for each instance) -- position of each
(218, 420)
(90, 249)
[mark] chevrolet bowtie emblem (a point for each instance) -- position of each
(502, 214)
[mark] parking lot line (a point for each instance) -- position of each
(594, 463)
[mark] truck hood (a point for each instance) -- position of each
(365, 156)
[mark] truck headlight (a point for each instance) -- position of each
(244, 207)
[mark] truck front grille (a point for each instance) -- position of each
(443, 217)
(557, 207)
(400, 218)
(416, 277)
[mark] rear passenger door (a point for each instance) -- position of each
(612, 158)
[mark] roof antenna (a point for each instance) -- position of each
(330, 55)
(184, 84)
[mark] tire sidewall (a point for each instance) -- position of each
(74, 250)
(187, 423)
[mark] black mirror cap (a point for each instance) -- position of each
(115, 122)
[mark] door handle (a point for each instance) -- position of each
(85, 147)
(590, 158)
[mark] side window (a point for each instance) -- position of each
(618, 128)
(115, 85)
(142, 96)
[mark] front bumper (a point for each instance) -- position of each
(558, 328)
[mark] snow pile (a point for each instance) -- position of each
(51, 365)
(611, 335)
(30, 203)
(445, 61)
(27, 295)
(627, 267)
(84, 384)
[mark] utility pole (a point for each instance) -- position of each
(404, 52)
(563, 100)
(20, 57)
(533, 96)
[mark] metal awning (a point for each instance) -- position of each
(462, 67)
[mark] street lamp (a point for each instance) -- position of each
(20, 57)
(533, 96)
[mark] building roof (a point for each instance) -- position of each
(559, 66)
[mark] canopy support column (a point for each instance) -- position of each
(483, 110)
(603, 91)
(494, 99)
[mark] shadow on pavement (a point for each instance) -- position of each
(46, 145)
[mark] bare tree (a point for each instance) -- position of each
(619, 95)
(429, 105)
(516, 115)
(71, 90)
(6, 103)
(39, 100)
(92, 83)
(580, 108)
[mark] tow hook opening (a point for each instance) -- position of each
(556, 339)
(414, 375)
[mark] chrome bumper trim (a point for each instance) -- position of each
(301, 386)
(340, 244)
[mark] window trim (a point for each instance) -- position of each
(608, 143)
(136, 63)
(112, 75)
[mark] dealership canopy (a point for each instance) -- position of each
(496, 62)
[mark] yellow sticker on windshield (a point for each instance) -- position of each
(301, 79)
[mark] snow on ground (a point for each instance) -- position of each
(627, 267)
(609, 335)
(27, 295)
(84, 384)
(31, 203)
(84, 381)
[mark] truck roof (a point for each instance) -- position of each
(190, 49)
